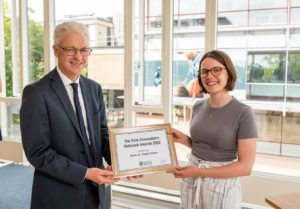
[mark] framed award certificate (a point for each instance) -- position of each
(141, 150)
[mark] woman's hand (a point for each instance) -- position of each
(186, 171)
(181, 138)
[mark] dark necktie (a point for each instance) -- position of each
(81, 125)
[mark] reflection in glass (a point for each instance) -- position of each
(266, 68)
(294, 68)
(293, 93)
(232, 19)
(295, 3)
(265, 92)
(268, 17)
(295, 16)
(294, 37)
(291, 128)
(268, 38)
(227, 5)
(10, 116)
(147, 56)
(258, 4)
(189, 7)
(269, 123)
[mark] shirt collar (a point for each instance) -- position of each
(66, 81)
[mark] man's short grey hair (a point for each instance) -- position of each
(74, 27)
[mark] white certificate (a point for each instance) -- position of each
(141, 150)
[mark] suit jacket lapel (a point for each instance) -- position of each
(60, 90)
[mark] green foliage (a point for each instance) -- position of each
(36, 49)
(36, 52)
(294, 68)
(271, 68)
(84, 72)
(256, 72)
(7, 40)
(275, 69)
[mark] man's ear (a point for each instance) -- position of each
(55, 50)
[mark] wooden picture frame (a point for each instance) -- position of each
(141, 150)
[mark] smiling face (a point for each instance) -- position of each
(71, 66)
(214, 84)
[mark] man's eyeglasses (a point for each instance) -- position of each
(70, 51)
(215, 71)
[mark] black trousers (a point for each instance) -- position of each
(91, 198)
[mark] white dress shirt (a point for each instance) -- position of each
(67, 83)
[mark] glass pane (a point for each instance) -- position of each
(190, 6)
(295, 16)
(258, 4)
(293, 77)
(294, 37)
(188, 46)
(293, 93)
(265, 92)
(295, 3)
(267, 17)
(268, 38)
(227, 5)
(105, 22)
(269, 123)
(189, 14)
(10, 120)
(147, 56)
(231, 39)
(35, 36)
(269, 132)
(114, 100)
(291, 128)
(294, 68)
(232, 19)
(265, 68)
(239, 58)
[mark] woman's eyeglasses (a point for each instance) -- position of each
(215, 71)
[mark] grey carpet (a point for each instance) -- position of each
(15, 186)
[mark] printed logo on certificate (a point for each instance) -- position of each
(141, 150)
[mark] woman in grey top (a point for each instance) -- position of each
(223, 140)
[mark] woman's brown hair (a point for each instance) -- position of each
(225, 60)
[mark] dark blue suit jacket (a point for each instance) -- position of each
(52, 142)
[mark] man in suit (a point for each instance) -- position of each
(64, 138)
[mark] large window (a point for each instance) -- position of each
(266, 39)
(262, 37)
(10, 74)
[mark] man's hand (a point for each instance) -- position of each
(109, 168)
(135, 177)
(100, 176)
